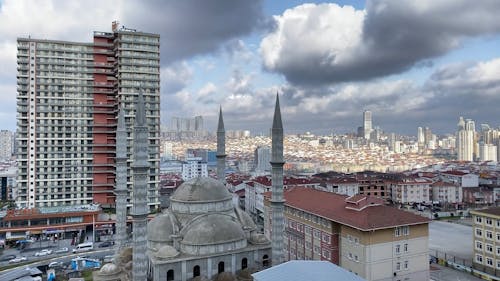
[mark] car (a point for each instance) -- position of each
(18, 259)
(7, 257)
(106, 244)
(55, 264)
(61, 250)
(44, 252)
(109, 258)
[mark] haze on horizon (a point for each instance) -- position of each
(412, 63)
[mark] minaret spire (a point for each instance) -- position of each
(121, 181)
(140, 211)
(221, 148)
(277, 199)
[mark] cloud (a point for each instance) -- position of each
(175, 77)
(326, 43)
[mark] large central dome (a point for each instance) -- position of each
(201, 189)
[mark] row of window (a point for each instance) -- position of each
(487, 247)
(325, 237)
(487, 261)
(487, 234)
(402, 231)
(487, 221)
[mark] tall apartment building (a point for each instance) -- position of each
(194, 167)
(367, 124)
(6, 144)
(262, 158)
(67, 103)
(486, 237)
(465, 140)
(359, 233)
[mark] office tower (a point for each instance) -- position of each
(68, 96)
(367, 124)
(262, 158)
(6, 144)
(277, 199)
(221, 149)
(465, 140)
(420, 136)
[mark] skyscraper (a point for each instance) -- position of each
(367, 123)
(465, 140)
(68, 97)
(6, 144)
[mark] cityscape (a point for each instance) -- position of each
(249, 141)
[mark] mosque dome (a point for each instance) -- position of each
(201, 189)
(166, 252)
(109, 269)
(213, 233)
(160, 228)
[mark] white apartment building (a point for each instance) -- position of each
(486, 240)
(487, 152)
(446, 192)
(461, 178)
(6, 144)
(193, 168)
(411, 190)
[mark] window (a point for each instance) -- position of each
(326, 238)
(316, 233)
(479, 245)
(479, 220)
(406, 230)
(398, 266)
(397, 231)
(489, 248)
(479, 258)
(479, 232)
(406, 265)
(489, 221)
(498, 263)
(489, 261)
(398, 250)
(349, 256)
(498, 236)
(317, 249)
(489, 234)
(326, 254)
(498, 251)
(405, 248)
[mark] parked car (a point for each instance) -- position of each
(18, 259)
(106, 244)
(109, 258)
(56, 264)
(61, 250)
(44, 252)
(7, 257)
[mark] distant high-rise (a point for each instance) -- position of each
(465, 140)
(6, 144)
(420, 136)
(367, 123)
(67, 104)
(262, 158)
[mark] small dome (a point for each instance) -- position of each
(109, 269)
(160, 228)
(201, 189)
(166, 252)
(213, 229)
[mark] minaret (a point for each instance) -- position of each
(221, 149)
(139, 211)
(277, 200)
(121, 191)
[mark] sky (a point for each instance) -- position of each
(411, 63)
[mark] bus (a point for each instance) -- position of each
(87, 246)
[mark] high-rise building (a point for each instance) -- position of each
(420, 136)
(262, 158)
(367, 124)
(67, 104)
(487, 152)
(465, 140)
(6, 144)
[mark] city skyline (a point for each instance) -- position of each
(239, 54)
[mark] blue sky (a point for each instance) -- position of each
(409, 62)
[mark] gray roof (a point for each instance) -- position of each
(19, 273)
(201, 189)
(299, 270)
(213, 229)
(160, 228)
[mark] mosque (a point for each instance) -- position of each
(202, 235)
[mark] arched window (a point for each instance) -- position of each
(265, 261)
(170, 275)
(221, 267)
(196, 270)
(244, 263)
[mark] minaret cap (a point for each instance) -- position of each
(220, 125)
(277, 124)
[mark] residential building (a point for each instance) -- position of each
(465, 139)
(481, 196)
(373, 184)
(463, 179)
(359, 233)
(6, 144)
(343, 185)
(447, 193)
(262, 159)
(193, 168)
(411, 190)
(67, 104)
(487, 152)
(486, 240)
